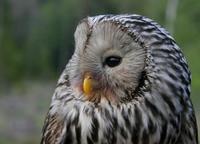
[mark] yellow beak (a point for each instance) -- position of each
(87, 84)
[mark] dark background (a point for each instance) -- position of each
(36, 41)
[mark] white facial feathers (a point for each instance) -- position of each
(97, 41)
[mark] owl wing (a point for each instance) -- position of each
(188, 133)
(53, 130)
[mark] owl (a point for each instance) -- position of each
(126, 83)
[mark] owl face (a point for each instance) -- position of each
(106, 62)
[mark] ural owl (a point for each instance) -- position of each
(126, 83)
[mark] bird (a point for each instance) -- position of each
(127, 82)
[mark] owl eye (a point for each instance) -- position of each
(112, 61)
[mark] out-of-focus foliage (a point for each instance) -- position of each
(36, 36)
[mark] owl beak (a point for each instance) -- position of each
(88, 84)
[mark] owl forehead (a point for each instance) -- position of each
(132, 22)
(118, 21)
(136, 26)
(108, 35)
(101, 35)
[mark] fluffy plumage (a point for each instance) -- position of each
(142, 97)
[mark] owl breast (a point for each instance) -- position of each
(86, 123)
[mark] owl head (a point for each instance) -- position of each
(106, 62)
(117, 56)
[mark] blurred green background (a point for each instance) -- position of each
(36, 41)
